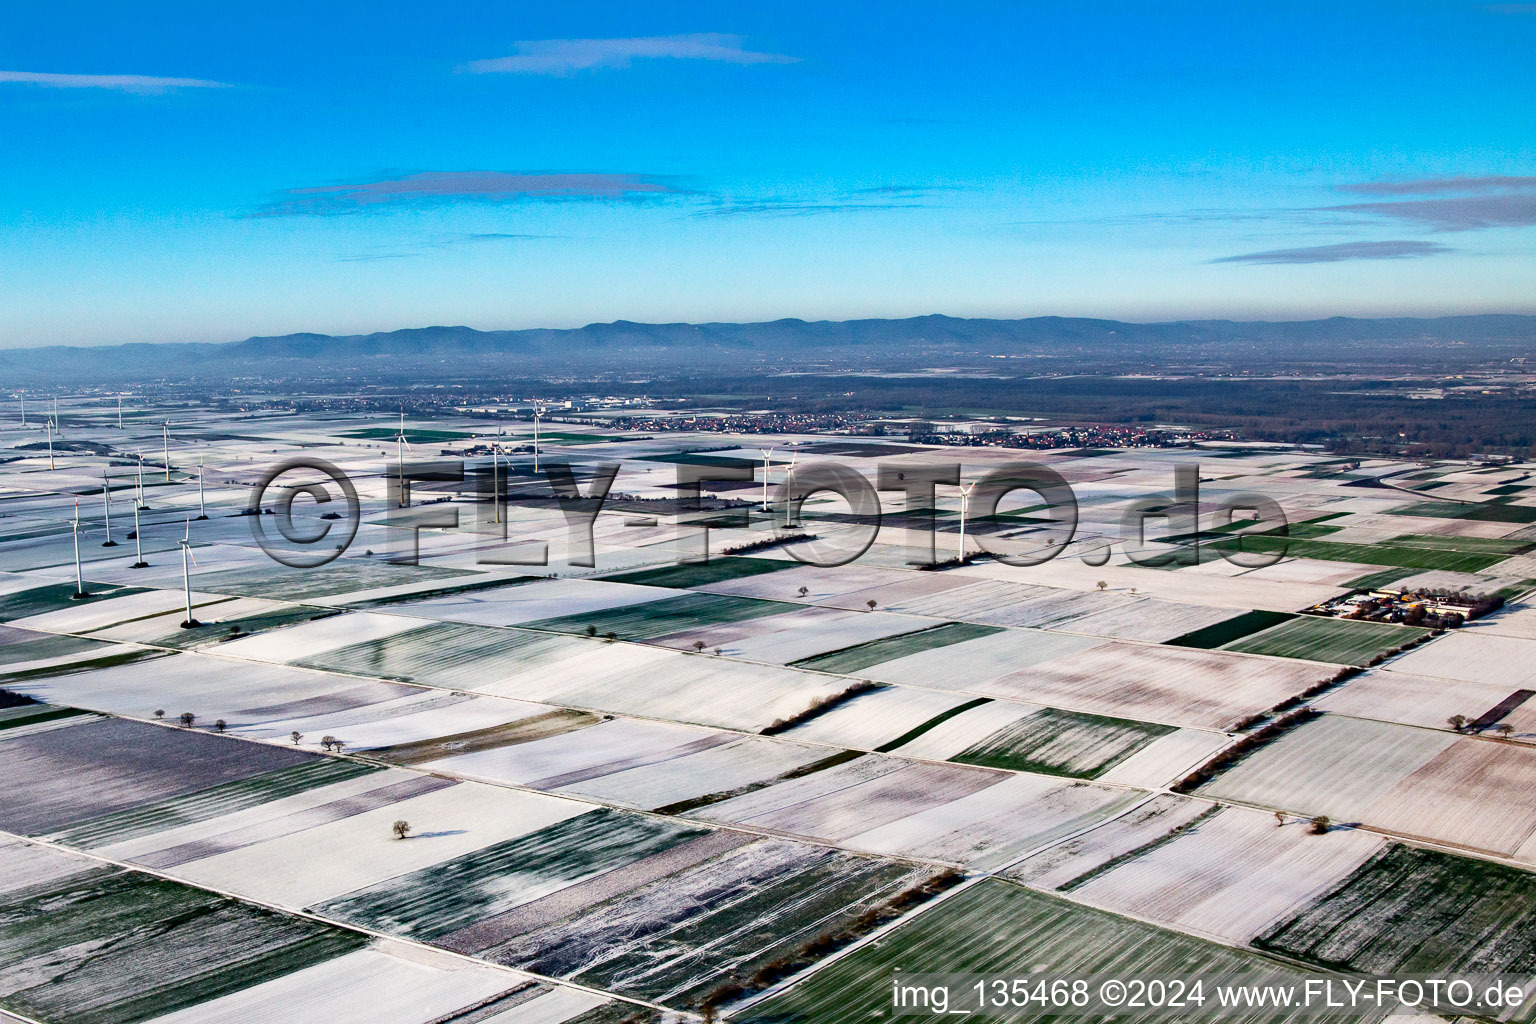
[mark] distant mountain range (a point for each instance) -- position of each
(1077, 344)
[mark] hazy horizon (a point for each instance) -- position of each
(221, 174)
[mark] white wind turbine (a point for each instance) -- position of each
(50, 444)
(538, 412)
(141, 502)
(79, 576)
(789, 490)
(186, 573)
(202, 508)
(496, 476)
(165, 447)
(23, 408)
(401, 445)
(106, 509)
(965, 508)
(138, 541)
(767, 454)
(119, 412)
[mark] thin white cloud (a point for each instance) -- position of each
(1341, 251)
(118, 83)
(567, 56)
(440, 188)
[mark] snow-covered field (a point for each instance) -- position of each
(1230, 875)
(1435, 784)
(1475, 656)
(299, 868)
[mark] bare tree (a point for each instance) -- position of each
(187, 718)
(336, 745)
(804, 591)
(1101, 585)
(1457, 722)
(698, 645)
(1279, 819)
(591, 631)
(220, 725)
(870, 604)
(326, 741)
(295, 736)
(159, 713)
(1504, 729)
(1321, 824)
(401, 829)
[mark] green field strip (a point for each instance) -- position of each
(344, 576)
(1001, 929)
(1071, 744)
(1457, 554)
(1225, 632)
(412, 435)
(44, 713)
(212, 802)
(110, 946)
(1335, 641)
(716, 570)
(1415, 911)
(856, 658)
(660, 618)
(1490, 512)
(56, 596)
(122, 656)
(447, 897)
(939, 719)
(434, 651)
(47, 646)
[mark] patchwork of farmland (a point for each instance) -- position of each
(1341, 641)
(1412, 910)
(653, 619)
(994, 927)
(684, 783)
(1434, 784)
(1062, 743)
(155, 946)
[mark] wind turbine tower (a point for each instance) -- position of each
(187, 560)
(767, 466)
(965, 508)
(202, 508)
(538, 412)
(79, 576)
(789, 495)
(106, 508)
(138, 541)
(401, 444)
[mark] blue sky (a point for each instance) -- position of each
(194, 171)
